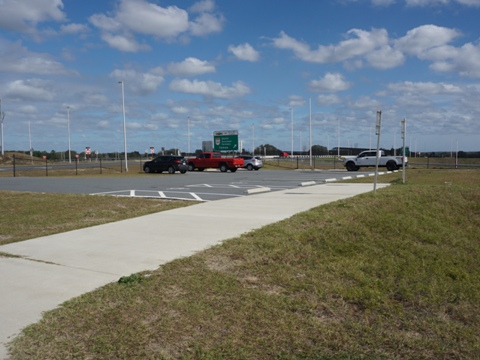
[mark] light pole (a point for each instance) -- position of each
(253, 140)
(311, 132)
(124, 126)
(291, 109)
(68, 125)
(188, 135)
(2, 116)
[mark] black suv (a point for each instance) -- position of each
(168, 163)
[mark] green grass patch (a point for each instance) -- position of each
(390, 275)
(27, 215)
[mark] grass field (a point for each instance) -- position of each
(28, 215)
(391, 275)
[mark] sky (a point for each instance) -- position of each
(288, 73)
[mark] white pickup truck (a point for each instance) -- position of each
(369, 158)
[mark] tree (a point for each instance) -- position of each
(319, 150)
(267, 149)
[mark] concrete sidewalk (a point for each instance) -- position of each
(53, 269)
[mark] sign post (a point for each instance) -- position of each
(378, 128)
(226, 140)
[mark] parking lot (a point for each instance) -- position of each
(199, 186)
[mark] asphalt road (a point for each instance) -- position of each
(203, 186)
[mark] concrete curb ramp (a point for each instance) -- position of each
(54, 269)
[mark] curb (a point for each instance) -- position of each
(257, 190)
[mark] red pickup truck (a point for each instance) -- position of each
(214, 160)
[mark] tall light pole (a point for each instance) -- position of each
(188, 135)
(311, 132)
(404, 136)
(2, 116)
(338, 137)
(253, 139)
(124, 126)
(30, 141)
(291, 110)
(68, 125)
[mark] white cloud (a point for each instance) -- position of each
(425, 37)
(375, 49)
(124, 43)
(206, 23)
(210, 88)
(139, 83)
(359, 43)
(191, 67)
(146, 18)
(29, 90)
(442, 2)
(330, 99)
(24, 15)
(331, 82)
(425, 88)
(295, 101)
(74, 28)
(385, 58)
(244, 52)
(203, 6)
(464, 60)
(143, 17)
(15, 58)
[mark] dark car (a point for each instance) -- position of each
(168, 163)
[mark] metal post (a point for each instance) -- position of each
(378, 127)
(68, 123)
(188, 135)
(292, 130)
(2, 116)
(310, 132)
(124, 127)
(404, 136)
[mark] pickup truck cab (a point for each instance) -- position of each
(214, 160)
(369, 158)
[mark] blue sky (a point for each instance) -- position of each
(249, 65)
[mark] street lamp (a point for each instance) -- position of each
(291, 109)
(68, 125)
(124, 126)
(188, 135)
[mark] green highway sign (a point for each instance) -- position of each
(226, 140)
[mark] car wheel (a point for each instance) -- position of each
(171, 170)
(391, 166)
(183, 171)
(223, 167)
(256, 169)
(249, 167)
(147, 169)
(351, 166)
(191, 167)
(233, 169)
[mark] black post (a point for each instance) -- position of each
(13, 165)
(121, 170)
(46, 167)
(297, 162)
(76, 166)
(100, 165)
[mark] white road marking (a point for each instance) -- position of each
(195, 196)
